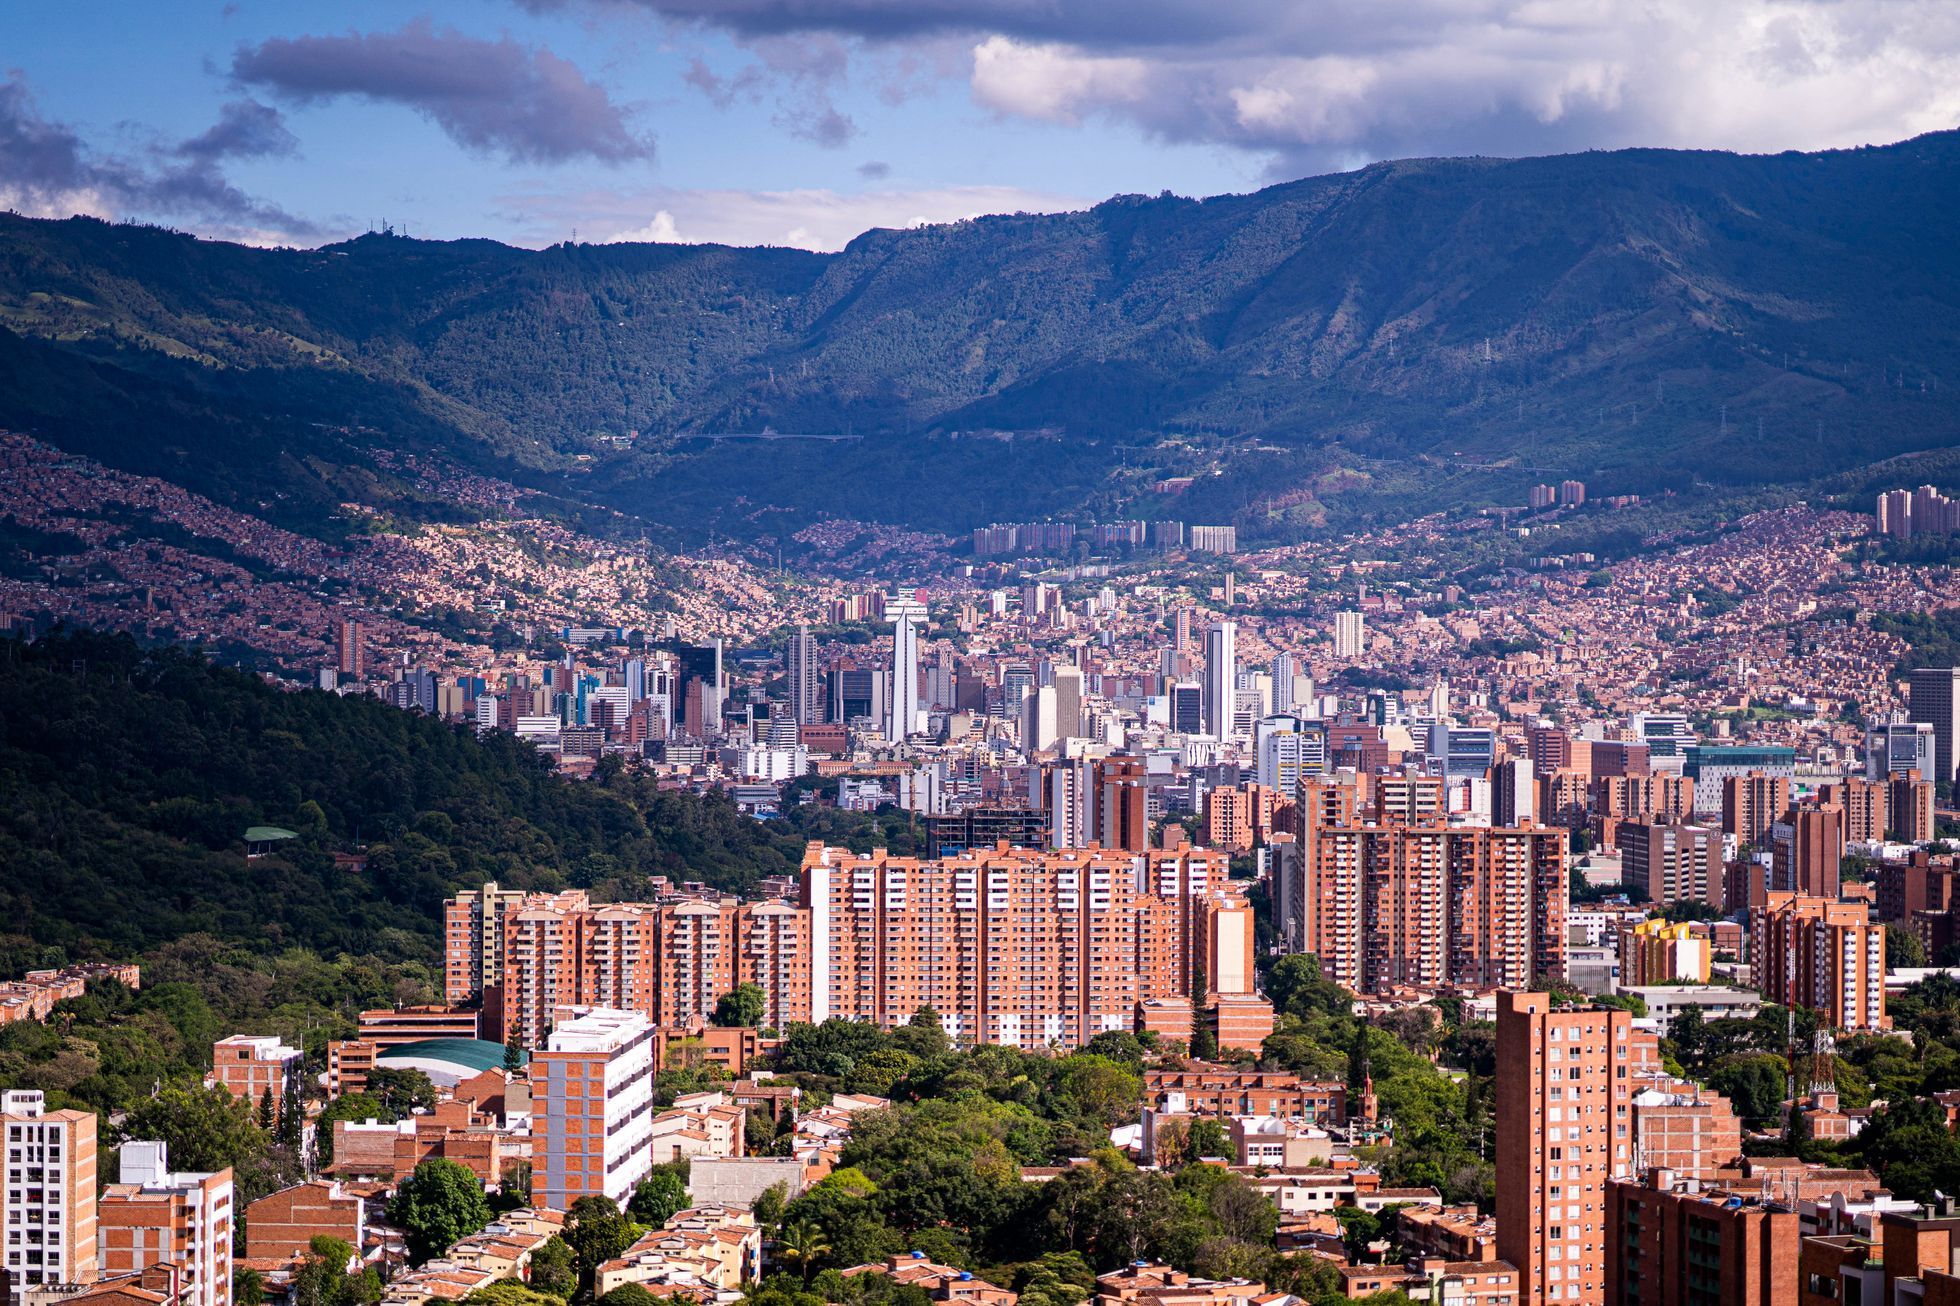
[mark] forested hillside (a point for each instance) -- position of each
(128, 779)
(1429, 331)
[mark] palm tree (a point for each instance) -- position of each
(802, 1242)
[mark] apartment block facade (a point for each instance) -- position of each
(48, 1200)
(151, 1215)
(1018, 946)
(1427, 904)
(1822, 954)
(592, 1108)
(1564, 1129)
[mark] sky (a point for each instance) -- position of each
(807, 122)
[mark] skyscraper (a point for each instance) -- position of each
(350, 645)
(1564, 1127)
(1285, 667)
(1221, 678)
(1068, 702)
(907, 615)
(1936, 702)
(1350, 635)
(805, 695)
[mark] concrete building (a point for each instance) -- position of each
(1751, 804)
(805, 680)
(1221, 678)
(592, 1096)
(1021, 946)
(1672, 863)
(1822, 954)
(1655, 952)
(1934, 700)
(284, 1222)
(1564, 1129)
(1350, 635)
(1807, 852)
(1429, 905)
(151, 1216)
(48, 1201)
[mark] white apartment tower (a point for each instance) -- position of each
(907, 615)
(47, 1202)
(1221, 678)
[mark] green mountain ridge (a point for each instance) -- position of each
(1434, 331)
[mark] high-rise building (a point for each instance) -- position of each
(592, 1108)
(1543, 496)
(1020, 946)
(1863, 803)
(1350, 635)
(1428, 905)
(48, 1197)
(350, 648)
(805, 693)
(1460, 752)
(1821, 954)
(1068, 702)
(151, 1216)
(907, 615)
(473, 949)
(1187, 709)
(1672, 862)
(1513, 793)
(1656, 952)
(1285, 668)
(1807, 851)
(1750, 805)
(1897, 747)
(1935, 701)
(1909, 808)
(1221, 678)
(1288, 750)
(1564, 1129)
(670, 962)
(1571, 493)
(1038, 720)
(1121, 804)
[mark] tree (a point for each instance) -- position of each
(1903, 949)
(657, 1197)
(1103, 1090)
(1298, 987)
(437, 1206)
(596, 1232)
(742, 1007)
(206, 1129)
(923, 1036)
(247, 1287)
(401, 1092)
(510, 1292)
(515, 1054)
(267, 1111)
(802, 1243)
(1754, 1084)
(1208, 1138)
(554, 1268)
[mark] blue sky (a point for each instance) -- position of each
(806, 121)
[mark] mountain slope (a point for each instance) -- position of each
(1448, 328)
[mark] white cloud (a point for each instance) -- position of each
(813, 219)
(1320, 84)
(1051, 81)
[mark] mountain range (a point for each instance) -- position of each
(1344, 348)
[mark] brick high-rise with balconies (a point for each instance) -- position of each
(1564, 1092)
